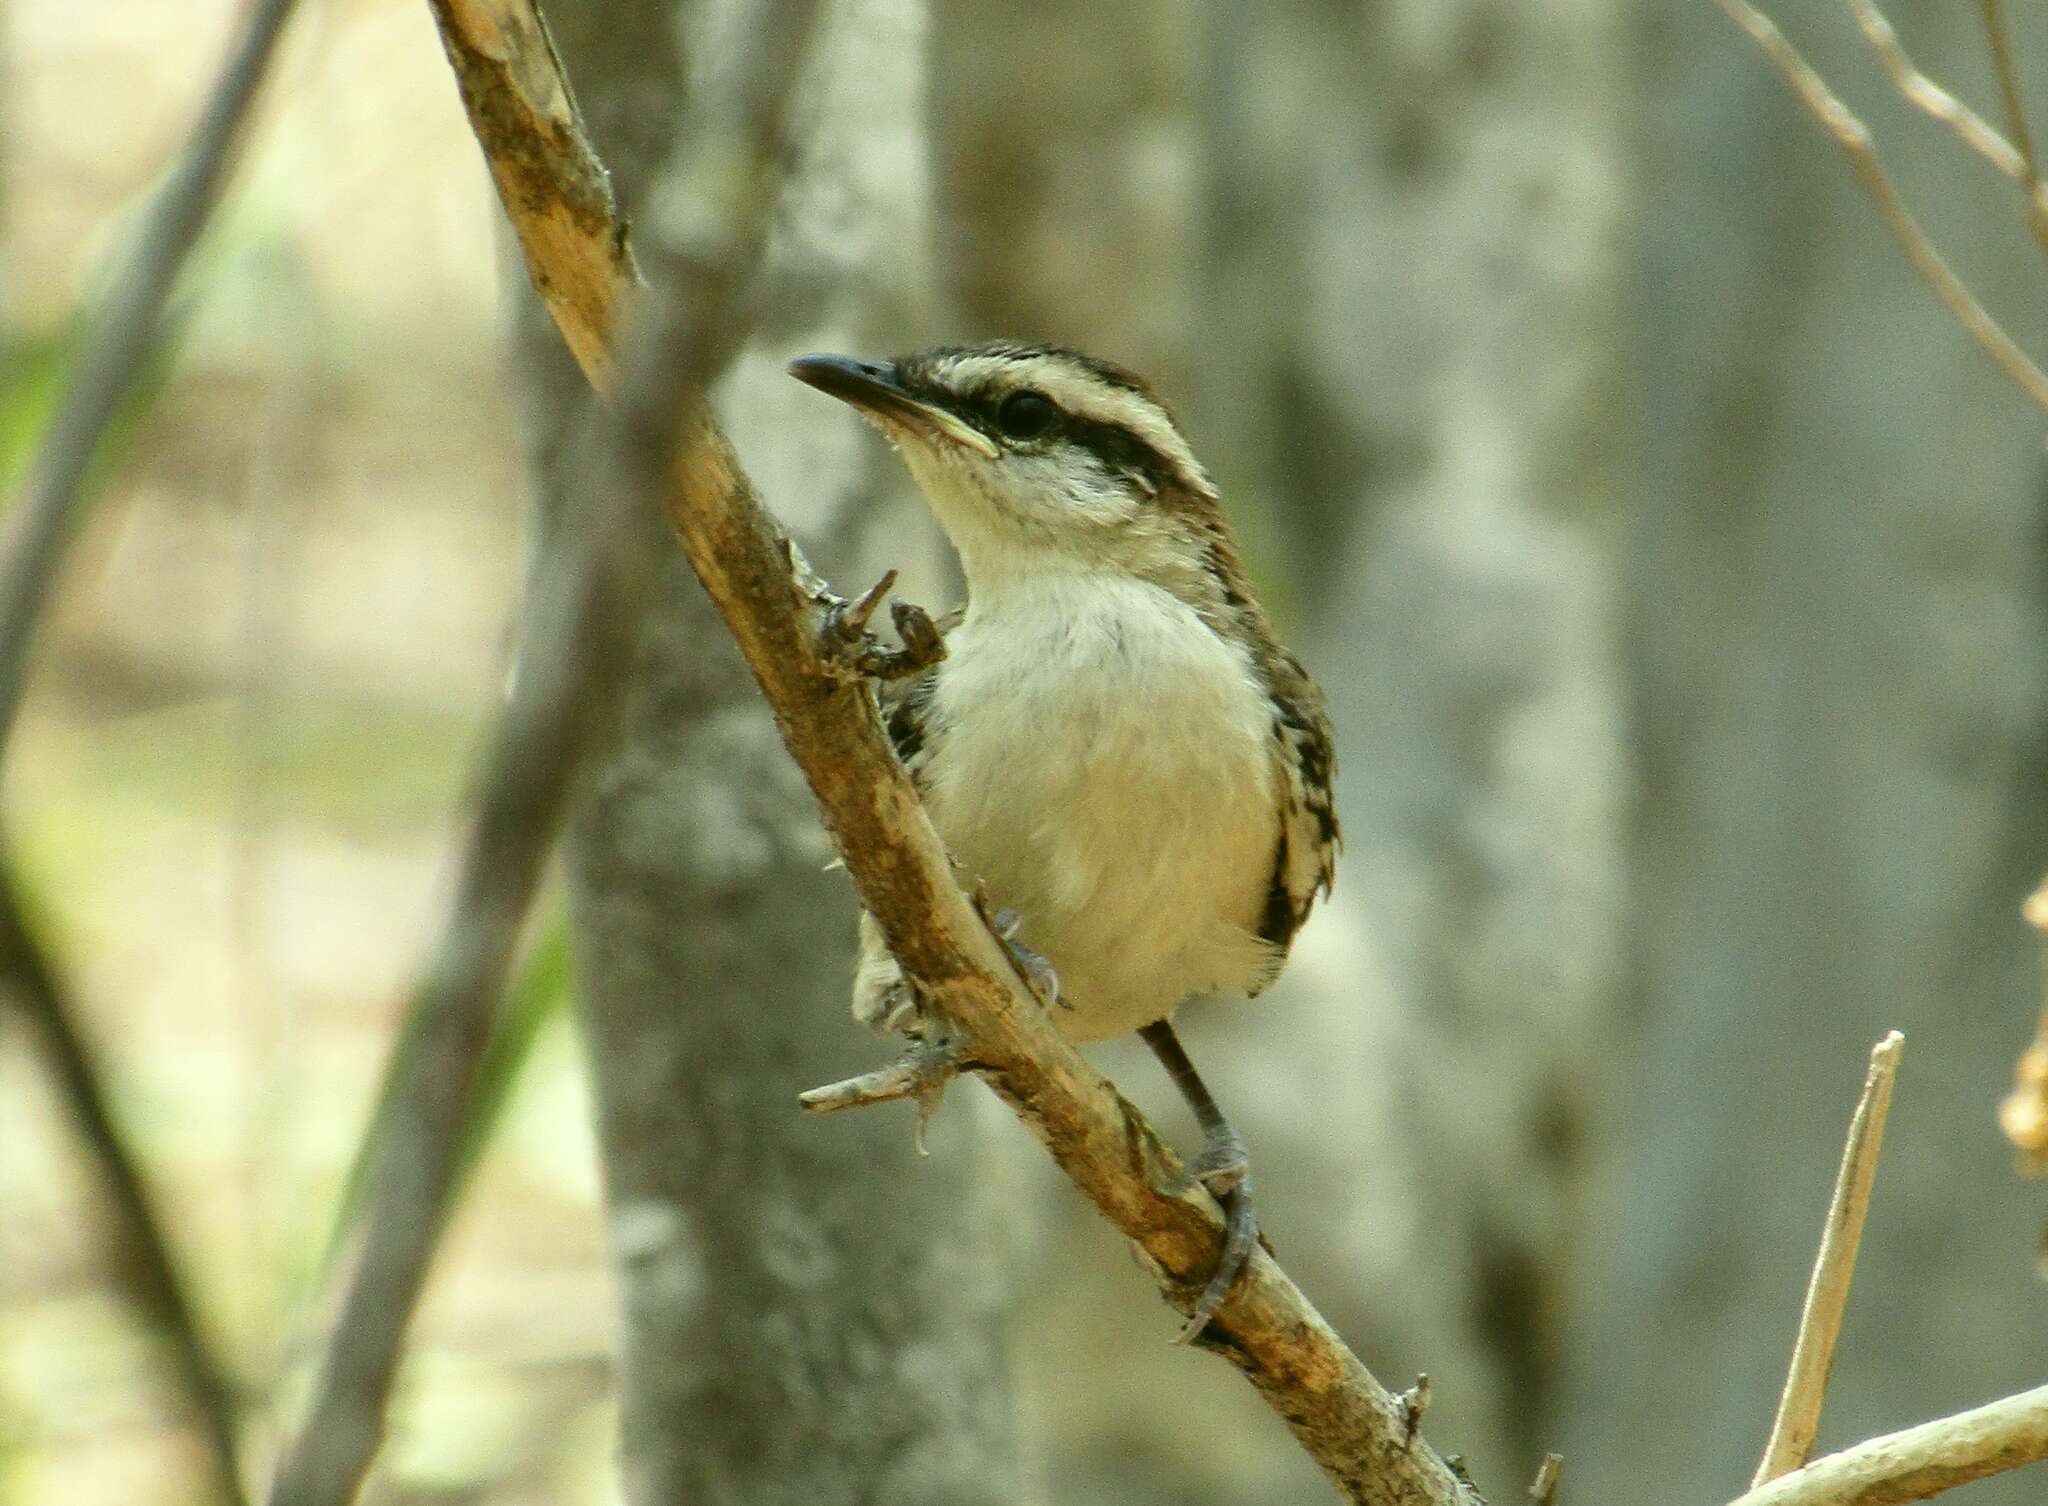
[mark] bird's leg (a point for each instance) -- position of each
(846, 642)
(1223, 1167)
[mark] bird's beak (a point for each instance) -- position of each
(874, 388)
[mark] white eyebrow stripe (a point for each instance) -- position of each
(1085, 396)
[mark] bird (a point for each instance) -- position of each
(1115, 744)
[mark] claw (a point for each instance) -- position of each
(845, 642)
(1240, 1234)
(1038, 974)
(923, 644)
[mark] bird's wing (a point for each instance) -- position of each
(1305, 860)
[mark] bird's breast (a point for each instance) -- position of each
(1104, 761)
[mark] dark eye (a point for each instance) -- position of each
(1026, 414)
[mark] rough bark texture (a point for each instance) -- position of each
(1837, 633)
(811, 1313)
(535, 146)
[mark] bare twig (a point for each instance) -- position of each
(1854, 138)
(46, 513)
(1543, 1489)
(1827, 1294)
(2000, 41)
(1919, 1462)
(1922, 92)
(578, 621)
(142, 1255)
(526, 120)
(575, 650)
(917, 1075)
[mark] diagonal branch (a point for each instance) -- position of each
(574, 642)
(143, 1255)
(1919, 1462)
(1999, 39)
(556, 192)
(1827, 1294)
(1346, 1420)
(45, 516)
(1923, 93)
(1853, 137)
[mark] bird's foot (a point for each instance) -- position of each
(888, 1007)
(845, 642)
(1224, 1168)
(1038, 974)
(921, 1075)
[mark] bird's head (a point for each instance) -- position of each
(1038, 460)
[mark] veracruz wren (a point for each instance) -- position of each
(1114, 744)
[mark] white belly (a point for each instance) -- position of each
(1104, 763)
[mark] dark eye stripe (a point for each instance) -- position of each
(1119, 450)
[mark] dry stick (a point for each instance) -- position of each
(2000, 42)
(576, 649)
(143, 1257)
(1854, 138)
(45, 515)
(1922, 92)
(556, 191)
(573, 644)
(1919, 1462)
(1827, 1294)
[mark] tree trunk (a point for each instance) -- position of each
(810, 1312)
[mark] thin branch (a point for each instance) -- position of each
(1919, 1462)
(142, 1254)
(556, 191)
(1827, 1293)
(2000, 41)
(45, 515)
(1854, 138)
(571, 659)
(574, 656)
(1922, 92)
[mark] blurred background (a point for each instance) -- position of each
(1677, 571)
